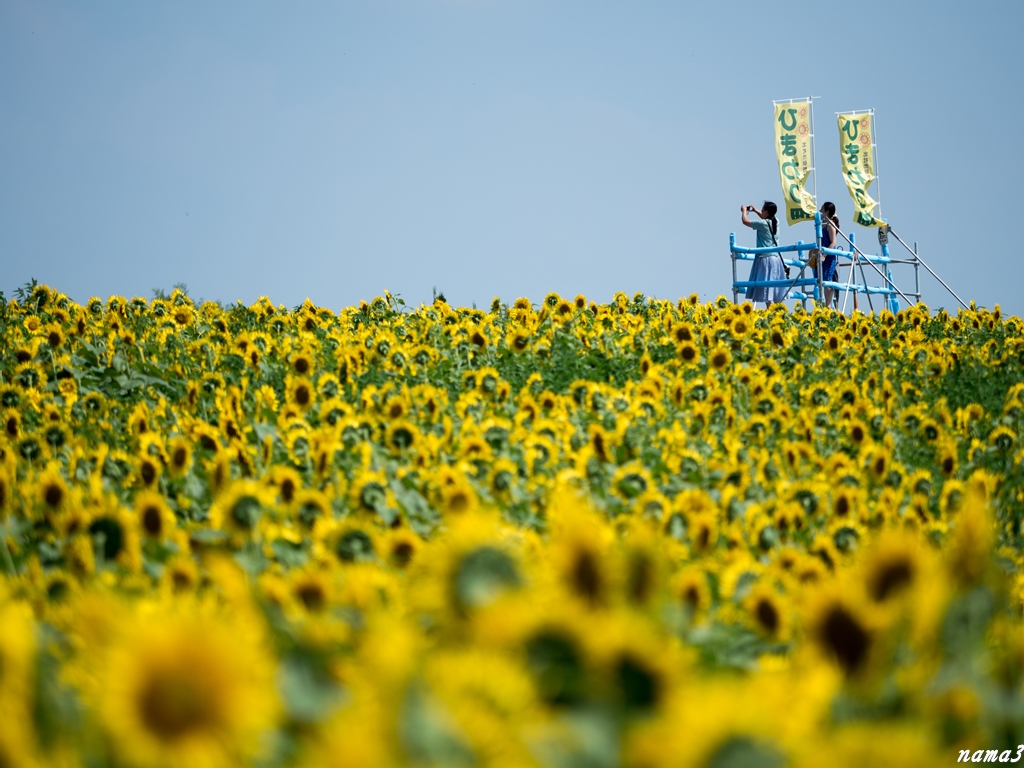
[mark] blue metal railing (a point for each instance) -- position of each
(817, 285)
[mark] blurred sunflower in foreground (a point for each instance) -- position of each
(640, 533)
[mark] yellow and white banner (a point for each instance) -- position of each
(857, 148)
(793, 148)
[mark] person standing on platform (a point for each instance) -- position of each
(829, 270)
(767, 266)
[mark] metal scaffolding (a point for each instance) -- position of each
(806, 287)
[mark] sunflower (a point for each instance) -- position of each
(690, 586)
(637, 669)
(968, 554)
(767, 613)
(239, 506)
(878, 463)
(843, 629)
(6, 492)
(350, 540)
(32, 449)
(643, 568)
(155, 518)
(741, 326)
(219, 472)
(179, 457)
(17, 662)
(80, 557)
(185, 689)
(400, 547)
(703, 533)
(846, 503)
(183, 315)
(138, 421)
(485, 692)
(312, 589)
(719, 358)
(148, 469)
(687, 353)
(301, 363)
(300, 393)
(457, 498)
(369, 491)
(502, 478)
(402, 435)
(180, 576)
(52, 491)
(578, 550)
(694, 502)
(115, 535)
(631, 480)
(396, 407)
(288, 483)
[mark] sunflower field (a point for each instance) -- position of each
(644, 533)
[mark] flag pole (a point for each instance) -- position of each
(878, 175)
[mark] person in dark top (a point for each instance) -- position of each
(829, 236)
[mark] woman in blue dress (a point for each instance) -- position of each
(767, 266)
(829, 272)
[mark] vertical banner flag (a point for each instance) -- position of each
(855, 133)
(793, 148)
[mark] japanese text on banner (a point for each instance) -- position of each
(793, 149)
(855, 133)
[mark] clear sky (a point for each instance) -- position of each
(486, 147)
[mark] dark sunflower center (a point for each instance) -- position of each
(459, 502)
(691, 595)
(179, 457)
(287, 490)
(767, 616)
(703, 538)
(173, 706)
(585, 577)
(402, 554)
(246, 512)
(640, 686)
(54, 495)
(152, 521)
(891, 578)
(312, 597)
(181, 581)
(556, 668)
(109, 532)
(641, 578)
(355, 546)
(846, 639)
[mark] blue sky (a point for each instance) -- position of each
(486, 147)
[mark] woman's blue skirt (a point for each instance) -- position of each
(768, 266)
(829, 273)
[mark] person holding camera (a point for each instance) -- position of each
(767, 266)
